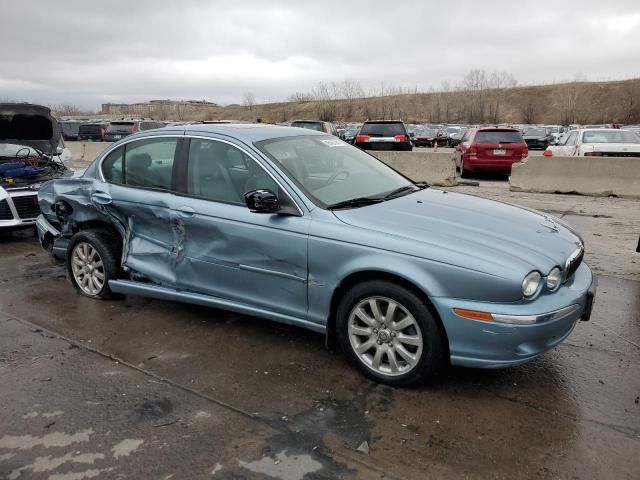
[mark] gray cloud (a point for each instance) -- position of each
(91, 52)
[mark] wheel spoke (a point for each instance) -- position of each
(373, 303)
(98, 275)
(393, 361)
(404, 323)
(363, 347)
(408, 357)
(98, 263)
(361, 314)
(414, 340)
(391, 310)
(360, 331)
(377, 358)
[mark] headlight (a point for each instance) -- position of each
(530, 284)
(553, 279)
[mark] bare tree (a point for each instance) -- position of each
(65, 109)
(630, 102)
(301, 97)
(529, 110)
(249, 100)
(326, 101)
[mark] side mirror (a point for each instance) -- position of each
(262, 201)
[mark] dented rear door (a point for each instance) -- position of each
(138, 197)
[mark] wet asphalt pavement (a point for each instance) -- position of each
(138, 388)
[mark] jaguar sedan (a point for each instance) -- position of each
(300, 227)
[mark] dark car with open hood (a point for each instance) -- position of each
(29, 156)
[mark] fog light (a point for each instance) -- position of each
(553, 279)
(530, 284)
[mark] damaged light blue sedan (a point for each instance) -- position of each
(305, 229)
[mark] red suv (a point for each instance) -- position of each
(490, 149)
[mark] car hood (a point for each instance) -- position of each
(470, 231)
(29, 125)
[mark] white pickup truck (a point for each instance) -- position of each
(597, 142)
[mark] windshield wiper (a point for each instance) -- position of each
(405, 190)
(355, 203)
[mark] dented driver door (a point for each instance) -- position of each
(229, 252)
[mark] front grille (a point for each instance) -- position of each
(573, 262)
(5, 211)
(27, 207)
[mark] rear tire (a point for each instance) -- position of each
(390, 334)
(93, 258)
(464, 173)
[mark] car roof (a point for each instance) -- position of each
(247, 132)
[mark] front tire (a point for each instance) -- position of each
(390, 334)
(92, 260)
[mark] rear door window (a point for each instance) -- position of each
(498, 136)
(145, 163)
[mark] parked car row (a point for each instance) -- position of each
(105, 131)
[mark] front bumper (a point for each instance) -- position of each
(494, 344)
(18, 208)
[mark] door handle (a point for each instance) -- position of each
(185, 211)
(101, 198)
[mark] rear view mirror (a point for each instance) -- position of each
(262, 201)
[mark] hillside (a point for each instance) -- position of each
(577, 102)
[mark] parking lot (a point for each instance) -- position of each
(133, 386)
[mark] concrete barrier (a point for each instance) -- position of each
(434, 168)
(595, 176)
(83, 153)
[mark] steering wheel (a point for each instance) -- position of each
(333, 177)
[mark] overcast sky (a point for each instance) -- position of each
(88, 53)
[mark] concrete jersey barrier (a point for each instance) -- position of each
(595, 176)
(83, 153)
(434, 168)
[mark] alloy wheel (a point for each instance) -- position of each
(385, 336)
(88, 268)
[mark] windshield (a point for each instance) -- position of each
(12, 150)
(536, 132)
(330, 170)
(310, 125)
(70, 128)
(427, 132)
(610, 136)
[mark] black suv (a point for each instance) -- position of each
(383, 135)
(91, 132)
